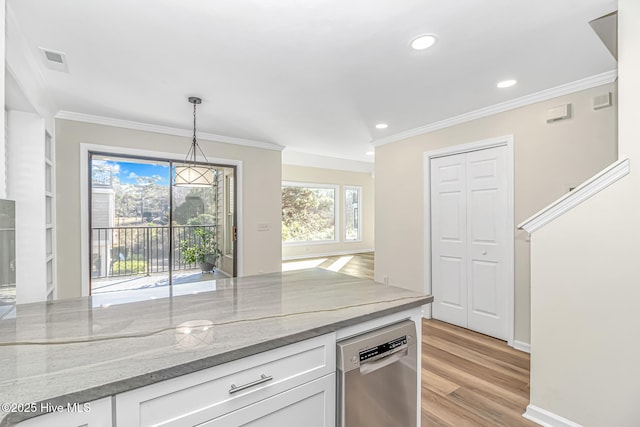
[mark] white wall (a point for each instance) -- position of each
(30, 113)
(3, 163)
(260, 250)
(341, 178)
(549, 158)
(585, 285)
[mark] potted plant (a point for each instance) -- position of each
(202, 249)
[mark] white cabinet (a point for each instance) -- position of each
(311, 404)
(277, 383)
(92, 414)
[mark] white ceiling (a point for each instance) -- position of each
(312, 75)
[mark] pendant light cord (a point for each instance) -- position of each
(194, 134)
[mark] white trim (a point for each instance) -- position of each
(326, 254)
(584, 191)
(506, 141)
(547, 419)
(544, 95)
(522, 346)
(147, 127)
(84, 202)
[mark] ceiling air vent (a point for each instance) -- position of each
(55, 60)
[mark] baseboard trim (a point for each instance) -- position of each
(522, 346)
(547, 419)
(308, 256)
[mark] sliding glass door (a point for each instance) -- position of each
(149, 235)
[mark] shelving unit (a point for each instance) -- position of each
(50, 212)
(31, 183)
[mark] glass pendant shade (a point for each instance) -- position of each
(193, 176)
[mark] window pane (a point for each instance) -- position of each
(308, 214)
(352, 214)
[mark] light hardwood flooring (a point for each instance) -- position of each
(359, 265)
(470, 379)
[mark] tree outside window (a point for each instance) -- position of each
(308, 213)
(352, 213)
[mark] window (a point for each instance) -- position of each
(309, 212)
(352, 213)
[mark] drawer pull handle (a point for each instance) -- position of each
(263, 379)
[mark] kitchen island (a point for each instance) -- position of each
(95, 357)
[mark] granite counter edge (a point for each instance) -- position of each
(128, 384)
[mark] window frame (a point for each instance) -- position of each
(336, 207)
(345, 188)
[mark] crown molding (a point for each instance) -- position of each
(544, 95)
(297, 158)
(147, 127)
(584, 191)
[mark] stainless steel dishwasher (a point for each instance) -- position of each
(377, 378)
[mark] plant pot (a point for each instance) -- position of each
(207, 266)
(210, 262)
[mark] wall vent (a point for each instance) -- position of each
(559, 113)
(54, 60)
(602, 101)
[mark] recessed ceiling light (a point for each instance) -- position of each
(382, 126)
(506, 83)
(371, 153)
(424, 41)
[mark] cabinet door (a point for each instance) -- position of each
(310, 405)
(92, 414)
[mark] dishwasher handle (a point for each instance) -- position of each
(374, 365)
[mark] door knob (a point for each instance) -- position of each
(484, 252)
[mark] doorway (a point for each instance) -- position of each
(143, 227)
(470, 237)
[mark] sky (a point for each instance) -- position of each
(127, 172)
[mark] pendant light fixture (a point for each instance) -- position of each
(190, 173)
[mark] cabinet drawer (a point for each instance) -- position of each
(310, 405)
(201, 396)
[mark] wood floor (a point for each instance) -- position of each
(359, 265)
(470, 379)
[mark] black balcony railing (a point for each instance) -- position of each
(127, 251)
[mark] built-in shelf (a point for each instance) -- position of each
(584, 191)
(50, 215)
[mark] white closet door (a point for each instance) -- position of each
(449, 239)
(487, 251)
(469, 230)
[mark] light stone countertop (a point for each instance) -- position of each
(83, 349)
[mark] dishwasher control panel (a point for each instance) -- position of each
(381, 349)
(353, 352)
